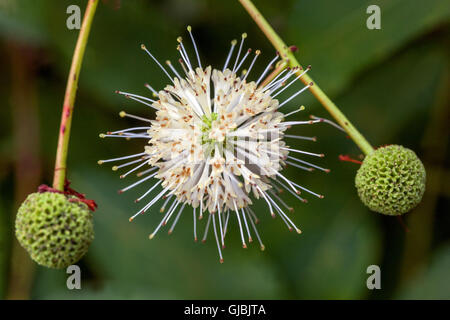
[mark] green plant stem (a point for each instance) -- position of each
(288, 56)
(69, 98)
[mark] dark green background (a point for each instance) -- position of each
(391, 83)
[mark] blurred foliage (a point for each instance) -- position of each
(386, 81)
(434, 282)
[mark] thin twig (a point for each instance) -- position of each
(287, 55)
(69, 98)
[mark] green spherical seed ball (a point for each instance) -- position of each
(55, 232)
(391, 180)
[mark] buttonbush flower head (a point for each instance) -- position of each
(217, 143)
(54, 230)
(391, 180)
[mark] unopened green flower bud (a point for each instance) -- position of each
(55, 231)
(391, 180)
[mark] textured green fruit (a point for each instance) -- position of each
(391, 180)
(55, 232)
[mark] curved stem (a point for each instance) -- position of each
(288, 56)
(69, 98)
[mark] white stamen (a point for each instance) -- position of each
(329, 122)
(275, 80)
(242, 61)
(148, 191)
(278, 83)
(174, 206)
(265, 198)
(307, 190)
(300, 137)
(320, 155)
(165, 203)
(233, 44)
(186, 57)
(282, 214)
(244, 35)
(195, 225)
(290, 191)
(295, 94)
(299, 166)
(127, 164)
(189, 29)
(176, 218)
(256, 232)
(129, 129)
(295, 111)
(124, 135)
(293, 123)
(290, 83)
(158, 227)
(143, 47)
(137, 183)
(134, 169)
(309, 164)
(173, 69)
(124, 114)
(220, 228)
(140, 174)
(217, 239)
(284, 204)
(122, 158)
(266, 69)
(226, 222)
(257, 53)
(205, 235)
(129, 95)
(149, 87)
(246, 226)
(253, 215)
(140, 101)
(244, 245)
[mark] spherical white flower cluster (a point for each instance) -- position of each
(217, 142)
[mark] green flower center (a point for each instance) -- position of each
(206, 128)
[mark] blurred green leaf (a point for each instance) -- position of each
(5, 235)
(332, 35)
(390, 104)
(339, 240)
(433, 282)
(24, 20)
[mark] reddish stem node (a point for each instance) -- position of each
(347, 158)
